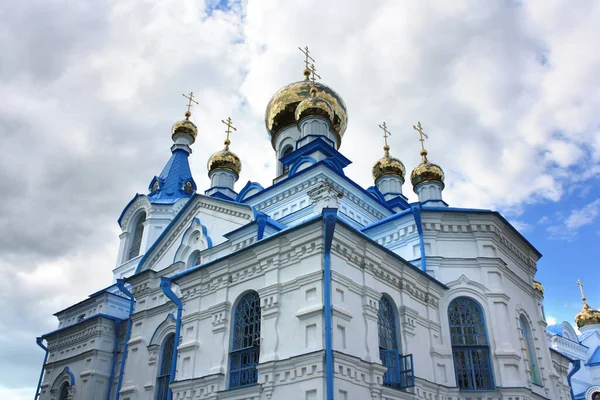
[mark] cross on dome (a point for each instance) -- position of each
(190, 97)
(229, 124)
(581, 290)
(386, 133)
(419, 129)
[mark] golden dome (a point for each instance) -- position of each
(186, 127)
(538, 286)
(388, 166)
(225, 159)
(314, 106)
(587, 316)
(281, 110)
(426, 172)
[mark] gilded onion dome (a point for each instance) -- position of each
(538, 286)
(225, 159)
(185, 127)
(388, 165)
(314, 105)
(426, 172)
(281, 110)
(587, 315)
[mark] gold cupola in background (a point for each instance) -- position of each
(225, 159)
(425, 171)
(538, 286)
(588, 315)
(185, 126)
(283, 108)
(388, 165)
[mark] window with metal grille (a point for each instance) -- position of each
(470, 347)
(529, 351)
(64, 392)
(399, 373)
(245, 345)
(136, 242)
(164, 370)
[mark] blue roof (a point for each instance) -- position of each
(555, 329)
(595, 358)
(172, 180)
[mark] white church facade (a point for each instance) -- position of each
(312, 288)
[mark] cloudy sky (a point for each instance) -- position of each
(507, 90)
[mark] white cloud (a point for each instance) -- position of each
(88, 103)
(585, 216)
(550, 320)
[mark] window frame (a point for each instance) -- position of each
(161, 376)
(535, 375)
(239, 353)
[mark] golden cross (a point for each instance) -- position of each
(419, 129)
(313, 71)
(386, 133)
(306, 52)
(229, 128)
(190, 97)
(581, 289)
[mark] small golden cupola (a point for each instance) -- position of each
(588, 315)
(427, 178)
(388, 165)
(314, 106)
(185, 127)
(224, 167)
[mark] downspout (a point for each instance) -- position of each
(122, 288)
(114, 361)
(416, 211)
(39, 343)
(576, 367)
(165, 285)
(329, 221)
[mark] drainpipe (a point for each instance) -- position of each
(122, 288)
(416, 211)
(576, 367)
(165, 285)
(114, 361)
(329, 221)
(39, 343)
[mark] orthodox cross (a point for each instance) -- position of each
(313, 71)
(386, 133)
(190, 97)
(306, 54)
(581, 290)
(419, 129)
(228, 131)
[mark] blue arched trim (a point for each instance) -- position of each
(59, 378)
(374, 191)
(249, 186)
(333, 163)
(195, 222)
(416, 211)
(127, 206)
(301, 160)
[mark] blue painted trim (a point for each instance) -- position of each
(126, 292)
(261, 222)
(334, 165)
(316, 145)
(576, 367)
(249, 186)
(220, 195)
(165, 285)
(322, 137)
(432, 201)
(39, 340)
(111, 378)
(127, 206)
(416, 212)
(329, 167)
(300, 161)
(386, 220)
(195, 220)
(329, 222)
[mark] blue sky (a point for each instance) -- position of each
(507, 92)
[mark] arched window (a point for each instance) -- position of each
(399, 373)
(245, 346)
(64, 391)
(164, 369)
(285, 152)
(136, 242)
(470, 347)
(530, 351)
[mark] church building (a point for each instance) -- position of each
(311, 288)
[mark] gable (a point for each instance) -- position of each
(201, 224)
